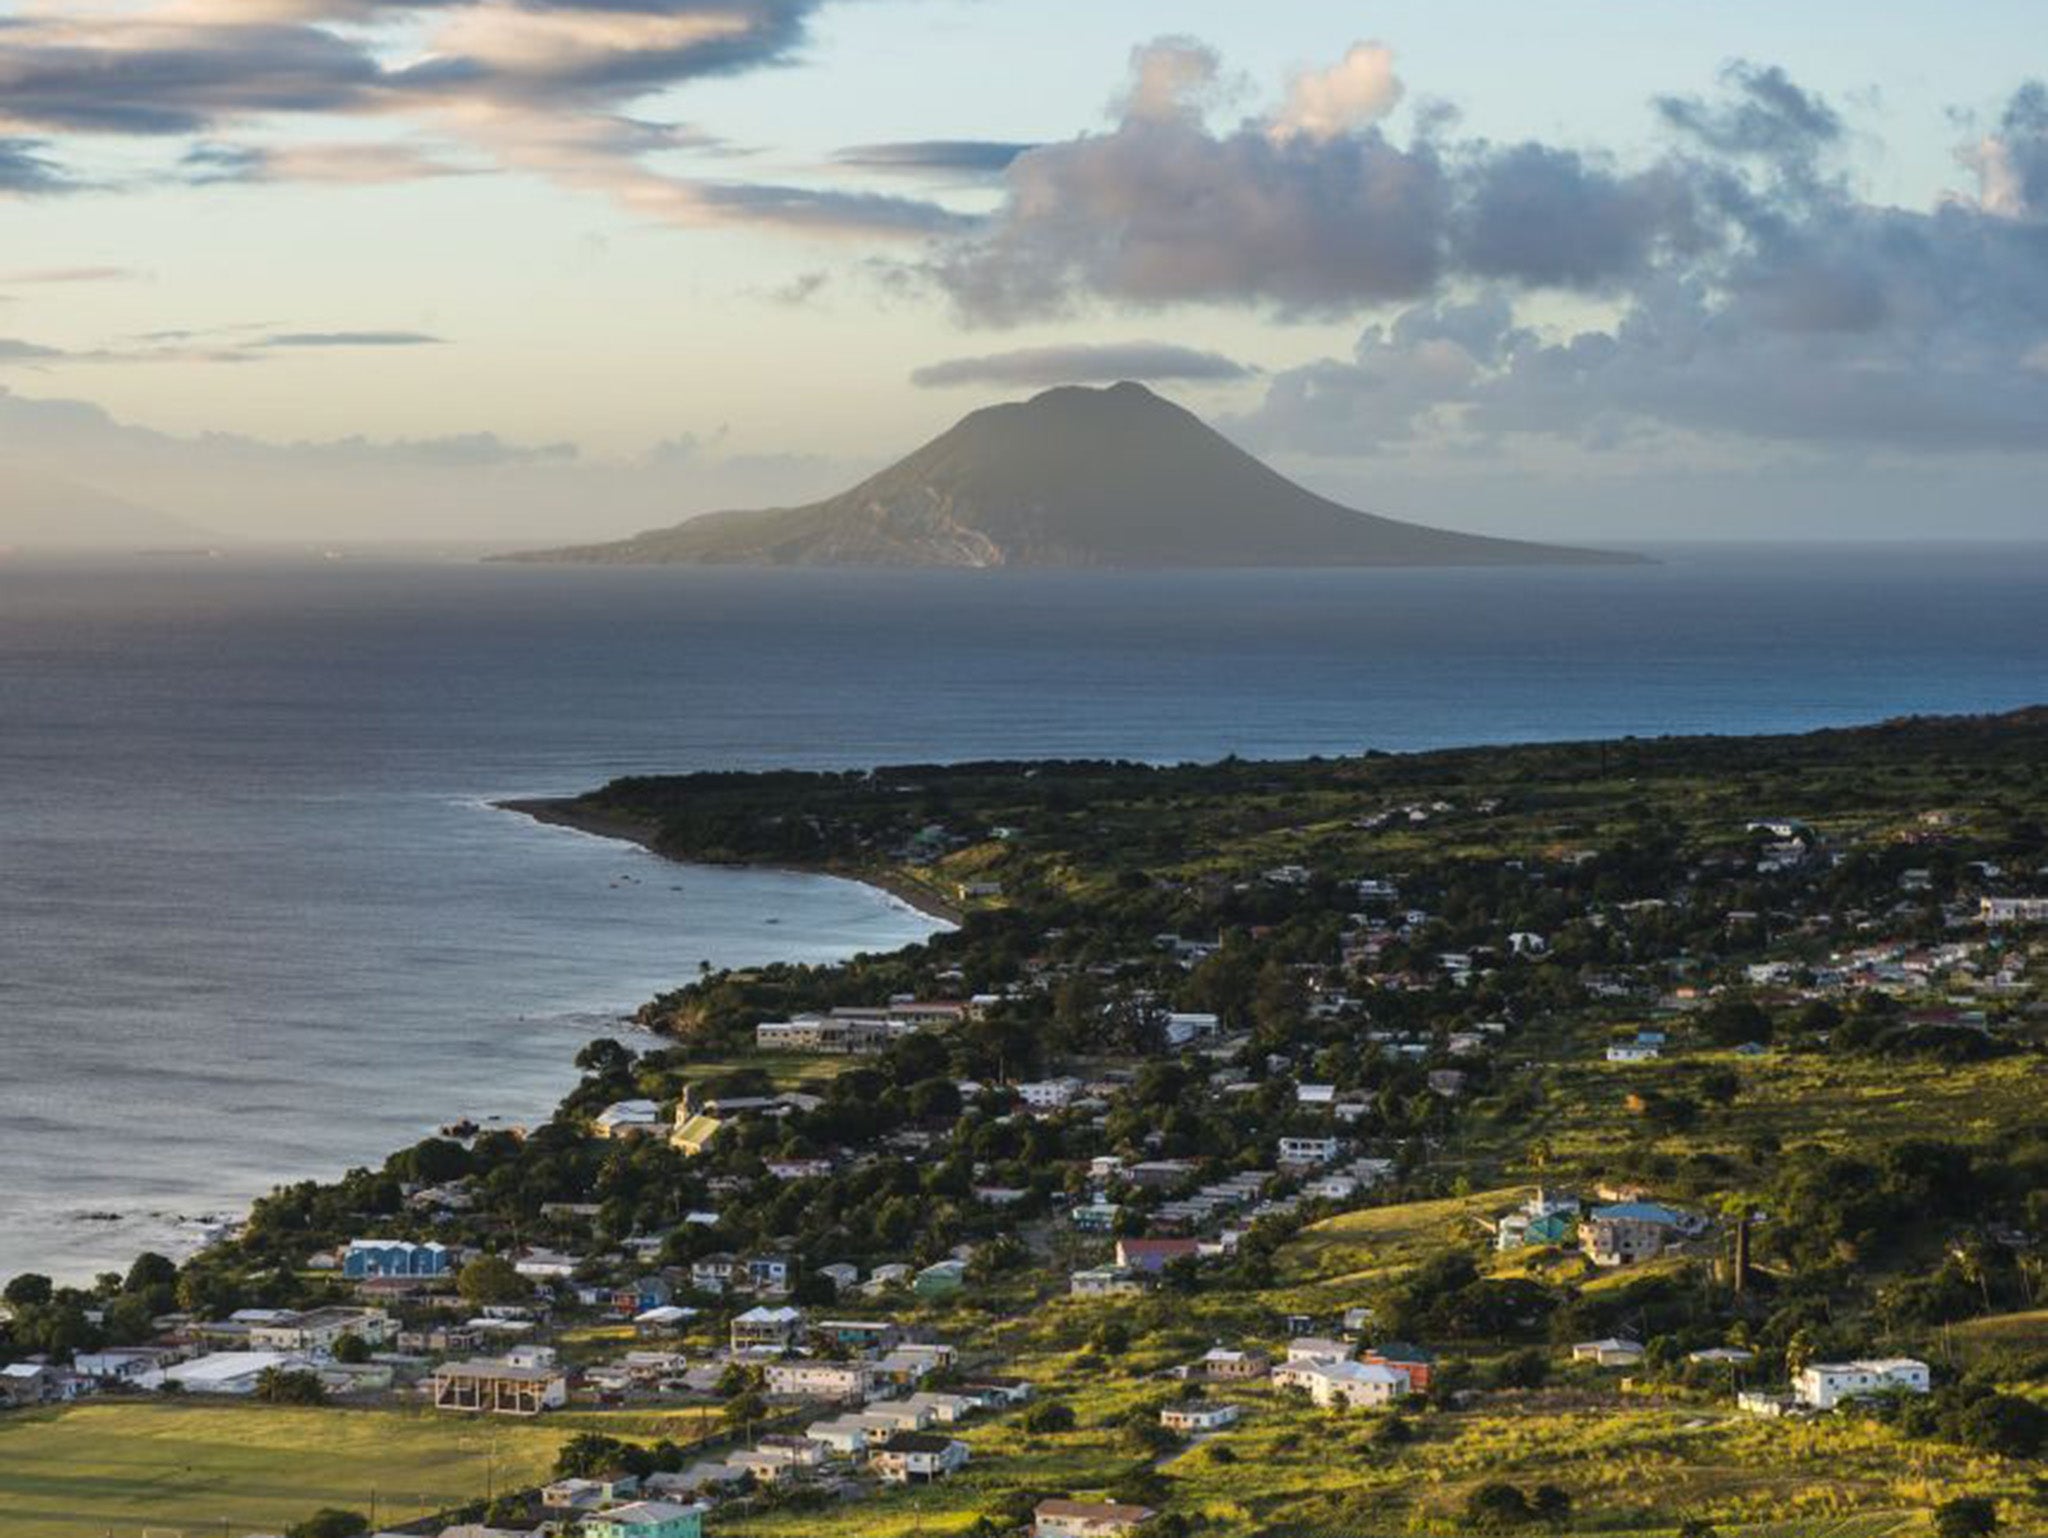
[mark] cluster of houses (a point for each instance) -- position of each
(1622, 1232)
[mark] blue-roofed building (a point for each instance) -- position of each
(368, 1258)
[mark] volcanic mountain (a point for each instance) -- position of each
(1073, 477)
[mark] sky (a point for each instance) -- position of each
(535, 269)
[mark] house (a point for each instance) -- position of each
(770, 1275)
(627, 1118)
(1222, 1365)
(1152, 1256)
(1623, 1233)
(940, 1278)
(1107, 1282)
(1180, 1029)
(1417, 1363)
(668, 1319)
(588, 1494)
(1300, 1153)
(364, 1259)
(24, 1385)
(1823, 1385)
(497, 1388)
(891, 1274)
(1358, 1385)
(319, 1331)
(2013, 910)
(1050, 1094)
(1721, 1356)
(944, 1409)
(767, 1329)
(776, 1458)
(846, 1437)
(124, 1364)
(865, 1335)
(998, 1393)
(1633, 1052)
(1608, 1353)
(917, 1458)
(1315, 1348)
(638, 1297)
(1198, 1417)
(646, 1519)
(805, 1379)
(1087, 1519)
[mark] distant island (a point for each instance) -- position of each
(1073, 477)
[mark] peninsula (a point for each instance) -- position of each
(1073, 477)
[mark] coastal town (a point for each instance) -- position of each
(1472, 1142)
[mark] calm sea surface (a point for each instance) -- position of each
(257, 920)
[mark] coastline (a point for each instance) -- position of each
(559, 812)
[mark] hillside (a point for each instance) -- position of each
(1071, 478)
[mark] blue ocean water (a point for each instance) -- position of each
(258, 920)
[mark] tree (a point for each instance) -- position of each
(330, 1522)
(745, 1409)
(492, 1279)
(150, 1270)
(1497, 1505)
(29, 1290)
(278, 1385)
(1047, 1417)
(1551, 1504)
(1967, 1516)
(351, 1350)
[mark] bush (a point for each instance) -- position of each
(1967, 1516)
(1497, 1505)
(330, 1522)
(1047, 1418)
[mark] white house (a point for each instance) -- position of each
(1198, 1417)
(1360, 1385)
(1823, 1385)
(627, 1118)
(1049, 1094)
(1308, 1152)
(806, 1379)
(1608, 1353)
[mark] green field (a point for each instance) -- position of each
(168, 1468)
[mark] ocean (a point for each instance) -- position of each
(259, 921)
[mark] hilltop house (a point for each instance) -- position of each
(1087, 1519)
(767, 1329)
(1823, 1385)
(646, 1519)
(1623, 1233)
(917, 1458)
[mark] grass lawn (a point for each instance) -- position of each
(167, 1468)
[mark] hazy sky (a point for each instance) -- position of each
(518, 268)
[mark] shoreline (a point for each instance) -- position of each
(622, 827)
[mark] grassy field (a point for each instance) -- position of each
(194, 1469)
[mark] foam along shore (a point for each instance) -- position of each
(564, 812)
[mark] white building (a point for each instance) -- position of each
(227, 1372)
(1823, 1385)
(1049, 1094)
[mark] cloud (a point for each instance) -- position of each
(1084, 364)
(955, 157)
(41, 275)
(1322, 104)
(1313, 209)
(335, 164)
(541, 86)
(351, 339)
(14, 350)
(25, 168)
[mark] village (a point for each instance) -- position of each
(1425, 1140)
